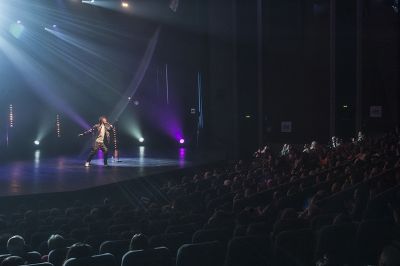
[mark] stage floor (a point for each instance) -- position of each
(67, 173)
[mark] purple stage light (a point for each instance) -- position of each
(181, 141)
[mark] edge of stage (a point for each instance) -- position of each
(43, 175)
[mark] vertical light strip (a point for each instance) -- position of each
(11, 116)
(58, 126)
(167, 82)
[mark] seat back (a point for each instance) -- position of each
(322, 220)
(151, 257)
(184, 228)
(371, 237)
(41, 264)
(57, 256)
(3, 257)
(294, 248)
(96, 240)
(33, 257)
(259, 229)
(337, 242)
(248, 250)
(200, 254)
(97, 260)
(221, 235)
(172, 241)
(118, 248)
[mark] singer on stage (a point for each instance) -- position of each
(101, 131)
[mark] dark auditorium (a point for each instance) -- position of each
(199, 133)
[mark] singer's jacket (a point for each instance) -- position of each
(95, 130)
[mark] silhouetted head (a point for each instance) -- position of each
(56, 242)
(16, 245)
(79, 250)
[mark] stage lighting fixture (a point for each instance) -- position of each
(124, 4)
(182, 141)
(18, 21)
(141, 140)
(11, 116)
(36, 142)
(58, 126)
(54, 26)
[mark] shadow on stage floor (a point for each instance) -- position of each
(67, 173)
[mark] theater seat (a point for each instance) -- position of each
(337, 242)
(151, 257)
(118, 248)
(201, 254)
(41, 264)
(172, 241)
(33, 257)
(371, 237)
(248, 250)
(221, 235)
(96, 240)
(259, 229)
(97, 260)
(294, 248)
(57, 256)
(4, 256)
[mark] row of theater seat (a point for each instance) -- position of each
(348, 243)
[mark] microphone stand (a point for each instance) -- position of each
(116, 151)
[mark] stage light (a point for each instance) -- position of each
(124, 4)
(182, 141)
(58, 126)
(16, 29)
(11, 116)
(36, 142)
(141, 140)
(54, 26)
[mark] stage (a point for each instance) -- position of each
(43, 174)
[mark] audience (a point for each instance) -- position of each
(79, 250)
(286, 191)
(13, 261)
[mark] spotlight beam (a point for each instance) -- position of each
(137, 79)
(35, 75)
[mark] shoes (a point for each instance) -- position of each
(106, 165)
(87, 164)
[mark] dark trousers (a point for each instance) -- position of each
(96, 147)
